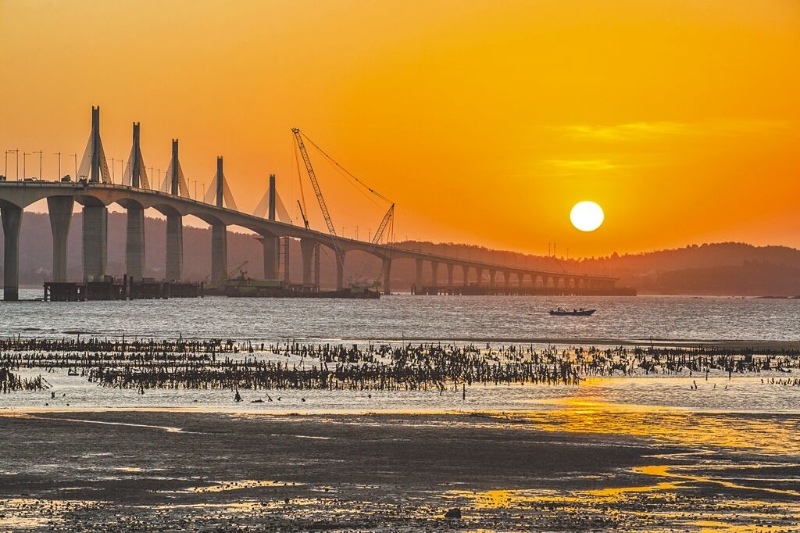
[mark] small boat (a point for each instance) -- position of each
(574, 312)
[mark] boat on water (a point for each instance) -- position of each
(572, 312)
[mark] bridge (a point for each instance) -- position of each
(94, 191)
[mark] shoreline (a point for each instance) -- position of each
(577, 342)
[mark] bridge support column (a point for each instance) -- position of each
(60, 209)
(134, 243)
(95, 241)
(465, 272)
(271, 243)
(507, 278)
(219, 254)
(479, 274)
(418, 278)
(450, 275)
(492, 274)
(307, 251)
(174, 247)
(387, 275)
(340, 256)
(435, 274)
(271, 256)
(12, 220)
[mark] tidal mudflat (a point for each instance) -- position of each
(157, 470)
(174, 436)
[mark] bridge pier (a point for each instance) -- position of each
(479, 275)
(95, 241)
(387, 273)
(465, 272)
(174, 247)
(435, 274)
(418, 278)
(270, 242)
(12, 220)
(134, 242)
(340, 256)
(219, 253)
(450, 275)
(60, 209)
(307, 251)
(271, 247)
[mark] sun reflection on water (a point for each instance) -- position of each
(738, 431)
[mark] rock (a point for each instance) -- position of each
(453, 513)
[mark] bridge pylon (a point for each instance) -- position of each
(94, 166)
(271, 206)
(135, 174)
(219, 235)
(219, 194)
(174, 182)
(94, 169)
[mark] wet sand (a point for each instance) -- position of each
(184, 470)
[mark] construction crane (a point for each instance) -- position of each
(313, 177)
(237, 269)
(232, 273)
(387, 219)
(302, 214)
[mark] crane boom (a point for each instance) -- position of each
(302, 214)
(384, 223)
(313, 177)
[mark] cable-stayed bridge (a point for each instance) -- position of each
(94, 190)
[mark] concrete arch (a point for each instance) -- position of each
(167, 210)
(129, 203)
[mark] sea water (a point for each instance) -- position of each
(486, 321)
(402, 317)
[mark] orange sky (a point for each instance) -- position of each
(484, 121)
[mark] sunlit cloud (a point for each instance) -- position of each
(642, 131)
(583, 164)
(619, 132)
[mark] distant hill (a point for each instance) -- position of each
(709, 269)
(723, 269)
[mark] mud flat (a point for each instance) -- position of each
(159, 470)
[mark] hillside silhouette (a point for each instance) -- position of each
(707, 269)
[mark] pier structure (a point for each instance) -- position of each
(94, 190)
(134, 232)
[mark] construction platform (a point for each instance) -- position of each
(116, 289)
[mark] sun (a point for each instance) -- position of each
(586, 216)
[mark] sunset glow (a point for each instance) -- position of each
(484, 121)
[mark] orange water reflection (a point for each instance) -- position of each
(660, 507)
(768, 434)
